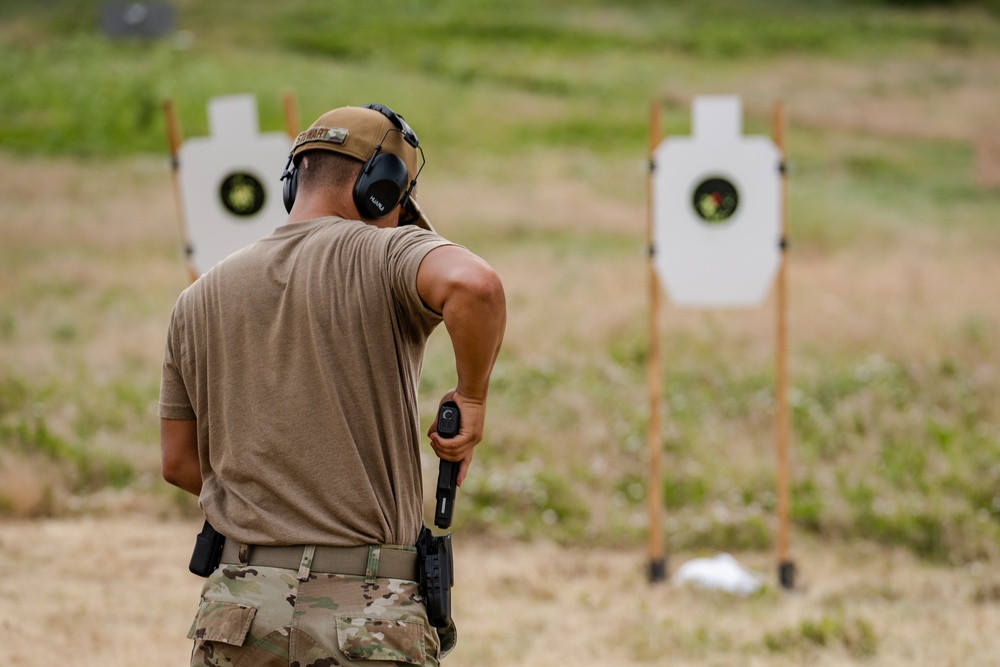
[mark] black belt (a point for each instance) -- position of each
(387, 561)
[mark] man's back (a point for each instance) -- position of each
(305, 349)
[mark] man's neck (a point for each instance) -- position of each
(342, 206)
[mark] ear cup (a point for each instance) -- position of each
(380, 185)
(290, 185)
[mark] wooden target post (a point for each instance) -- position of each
(654, 490)
(786, 567)
(175, 139)
(291, 109)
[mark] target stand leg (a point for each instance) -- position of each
(657, 570)
(786, 575)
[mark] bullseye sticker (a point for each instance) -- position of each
(242, 194)
(715, 200)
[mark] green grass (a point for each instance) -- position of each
(69, 90)
(855, 636)
(28, 414)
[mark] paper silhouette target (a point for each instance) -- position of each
(229, 186)
(716, 210)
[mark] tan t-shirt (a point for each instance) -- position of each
(300, 357)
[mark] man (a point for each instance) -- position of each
(288, 405)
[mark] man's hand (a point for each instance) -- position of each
(470, 433)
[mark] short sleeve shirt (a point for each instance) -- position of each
(299, 357)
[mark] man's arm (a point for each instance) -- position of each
(179, 453)
(468, 293)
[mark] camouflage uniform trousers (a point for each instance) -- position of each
(253, 616)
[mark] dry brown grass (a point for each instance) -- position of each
(116, 592)
(80, 234)
(917, 96)
(27, 485)
(988, 156)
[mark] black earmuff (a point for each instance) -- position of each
(380, 185)
(383, 182)
(290, 178)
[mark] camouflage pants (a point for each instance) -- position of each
(254, 616)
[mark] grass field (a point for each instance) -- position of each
(533, 116)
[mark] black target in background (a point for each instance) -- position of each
(715, 200)
(242, 194)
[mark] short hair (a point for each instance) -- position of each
(326, 169)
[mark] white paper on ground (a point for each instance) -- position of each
(721, 572)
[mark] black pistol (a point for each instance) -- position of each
(448, 422)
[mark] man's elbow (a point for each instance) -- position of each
(179, 462)
(172, 471)
(184, 475)
(179, 470)
(485, 289)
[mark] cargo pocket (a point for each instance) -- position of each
(226, 622)
(382, 639)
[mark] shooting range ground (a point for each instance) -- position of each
(535, 123)
(547, 605)
(79, 314)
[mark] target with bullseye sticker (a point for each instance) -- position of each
(716, 210)
(229, 187)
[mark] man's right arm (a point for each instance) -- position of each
(468, 293)
(179, 454)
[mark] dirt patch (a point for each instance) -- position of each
(988, 157)
(116, 591)
(928, 97)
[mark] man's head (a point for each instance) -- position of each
(382, 157)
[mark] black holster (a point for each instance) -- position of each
(207, 551)
(437, 574)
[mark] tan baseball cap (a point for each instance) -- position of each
(356, 132)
